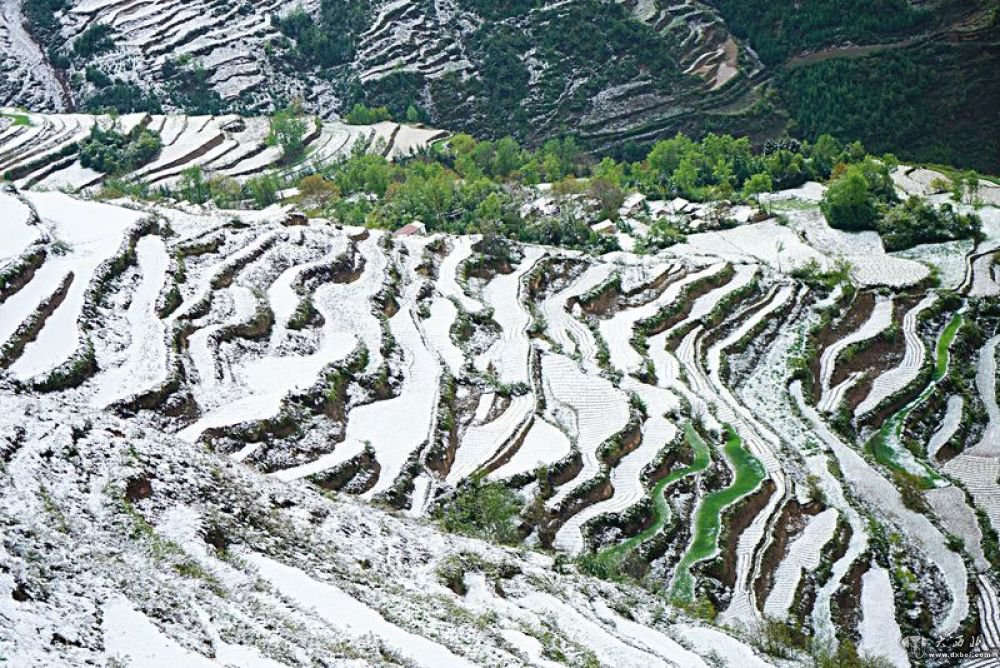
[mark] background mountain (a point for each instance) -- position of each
(917, 79)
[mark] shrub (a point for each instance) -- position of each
(116, 154)
(915, 221)
(361, 114)
(484, 510)
(94, 41)
(848, 204)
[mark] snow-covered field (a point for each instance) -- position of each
(256, 376)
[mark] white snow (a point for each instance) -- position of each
(898, 378)
(544, 444)
(72, 221)
(589, 407)
(17, 234)
(879, 320)
(880, 634)
(804, 554)
(350, 615)
(143, 364)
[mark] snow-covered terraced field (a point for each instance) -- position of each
(879, 320)
(804, 554)
(45, 153)
(896, 379)
(227, 345)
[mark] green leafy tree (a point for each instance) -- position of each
(288, 130)
(849, 204)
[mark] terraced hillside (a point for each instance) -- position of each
(228, 437)
(912, 78)
(44, 150)
(530, 69)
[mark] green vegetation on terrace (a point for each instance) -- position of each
(861, 197)
(607, 563)
(463, 185)
(749, 473)
(115, 154)
(885, 443)
(17, 119)
(486, 510)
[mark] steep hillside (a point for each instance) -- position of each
(255, 438)
(614, 73)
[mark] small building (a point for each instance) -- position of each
(414, 229)
(633, 203)
(678, 205)
(604, 227)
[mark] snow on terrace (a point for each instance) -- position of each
(589, 407)
(16, 229)
(144, 362)
(949, 426)
(566, 331)
(978, 468)
(958, 518)
(199, 136)
(509, 355)
(775, 245)
(543, 445)
(88, 245)
(898, 378)
(447, 283)
(481, 443)
(618, 330)
(437, 329)
(626, 477)
(949, 258)
(760, 442)
(870, 486)
(614, 640)
(351, 616)
(870, 264)
(804, 554)
(263, 383)
(239, 305)
(879, 320)
(397, 427)
(880, 634)
(132, 637)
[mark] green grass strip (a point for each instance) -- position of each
(608, 561)
(19, 119)
(749, 473)
(885, 443)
